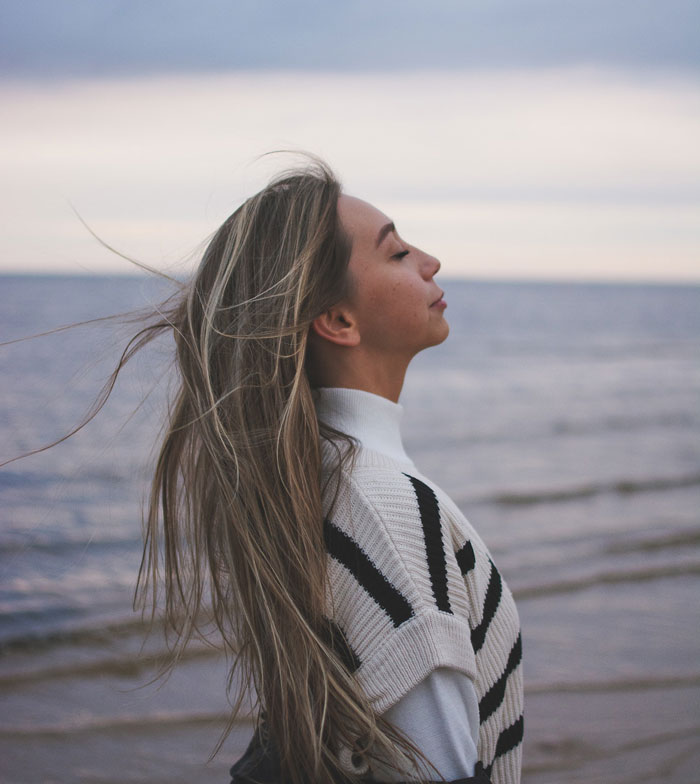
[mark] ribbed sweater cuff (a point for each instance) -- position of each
(432, 639)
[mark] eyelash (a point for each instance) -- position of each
(400, 255)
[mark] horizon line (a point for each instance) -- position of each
(548, 280)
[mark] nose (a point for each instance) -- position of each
(430, 265)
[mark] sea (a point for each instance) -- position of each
(564, 420)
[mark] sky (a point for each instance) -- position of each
(519, 139)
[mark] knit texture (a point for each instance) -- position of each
(412, 587)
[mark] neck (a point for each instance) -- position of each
(374, 420)
(332, 366)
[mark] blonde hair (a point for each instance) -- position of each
(234, 526)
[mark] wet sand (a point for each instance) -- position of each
(66, 721)
(616, 734)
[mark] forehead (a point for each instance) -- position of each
(360, 219)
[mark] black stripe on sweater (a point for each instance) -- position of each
(432, 535)
(493, 698)
(465, 557)
(493, 597)
(347, 552)
(508, 740)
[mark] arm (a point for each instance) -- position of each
(441, 716)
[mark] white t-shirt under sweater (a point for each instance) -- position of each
(426, 622)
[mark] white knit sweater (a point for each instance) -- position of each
(412, 586)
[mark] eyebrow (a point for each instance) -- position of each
(386, 229)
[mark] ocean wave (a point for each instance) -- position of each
(607, 578)
(569, 754)
(97, 632)
(547, 427)
(625, 423)
(60, 543)
(619, 486)
(126, 666)
(81, 725)
(21, 480)
(641, 683)
(673, 540)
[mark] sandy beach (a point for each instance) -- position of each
(100, 722)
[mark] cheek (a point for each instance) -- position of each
(391, 303)
(404, 305)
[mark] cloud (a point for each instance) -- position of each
(46, 38)
(549, 172)
(549, 240)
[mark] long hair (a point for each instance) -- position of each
(235, 521)
(234, 525)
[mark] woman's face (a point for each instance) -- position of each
(397, 305)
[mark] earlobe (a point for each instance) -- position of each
(337, 326)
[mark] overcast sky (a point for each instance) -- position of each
(531, 138)
(76, 37)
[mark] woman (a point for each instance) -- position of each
(416, 606)
(363, 613)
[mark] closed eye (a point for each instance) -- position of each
(400, 255)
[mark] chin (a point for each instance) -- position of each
(439, 337)
(444, 334)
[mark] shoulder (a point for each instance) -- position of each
(376, 488)
(378, 498)
(382, 503)
(395, 589)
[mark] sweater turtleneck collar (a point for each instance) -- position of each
(375, 421)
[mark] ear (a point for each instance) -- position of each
(338, 326)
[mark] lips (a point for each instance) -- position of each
(442, 294)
